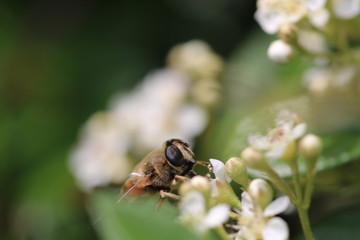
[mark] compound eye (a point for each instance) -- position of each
(174, 155)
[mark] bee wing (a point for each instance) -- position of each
(135, 185)
(127, 192)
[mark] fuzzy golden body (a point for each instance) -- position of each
(158, 169)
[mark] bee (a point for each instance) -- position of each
(157, 171)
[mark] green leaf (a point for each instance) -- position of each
(137, 220)
(340, 148)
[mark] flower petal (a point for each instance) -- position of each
(219, 170)
(269, 22)
(246, 234)
(298, 131)
(285, 117)
(277, 206)
(193, 204)
(319, 18)
(276, 229)
(246, 202)
(259, 142)
(277, 152)
(314, 5)
(214, 188)
(217, 215)
(346, 9)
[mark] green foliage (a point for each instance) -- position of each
(137, 220)
(340, 225)
(340, 148)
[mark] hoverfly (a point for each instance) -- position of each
(157, 171)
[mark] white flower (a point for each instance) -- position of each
(319, 79)
(195, 58)
(319, 18)
(221, 190)
(207, 91)
(158, 109)
(100, 156)
(346, 9)
(271, 14)
(219, 170)
(202, 65)
(280, 51)
(190, 121)
(155, 111)
(256, 223)
(312, 41)
(194, 213)
(279, 140)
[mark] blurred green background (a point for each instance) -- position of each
(59, 63)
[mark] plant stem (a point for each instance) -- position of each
(297, 182)
(222, 233)
(341, 38)
(303, 199)
(305, 223)
(281, 184)
(309, 186)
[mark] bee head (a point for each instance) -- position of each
(179, 155)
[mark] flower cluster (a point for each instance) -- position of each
(319, 29)
(202, 208)
(195, 213)
(279, 142)
(288, 143)
(203, 66)
(164, 105)
(284, 142)
(212, 203)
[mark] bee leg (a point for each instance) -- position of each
(164, 194)
(159, 203)
(181, 178)
(169, 195)
(205, 164)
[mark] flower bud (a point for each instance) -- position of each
(222, 192)
(287, 32)
(261, 192)
(290, 153)
(312, 41)
(236, 169)
(310, 147)
(253, 158)
(197, 183)
(280, 51)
